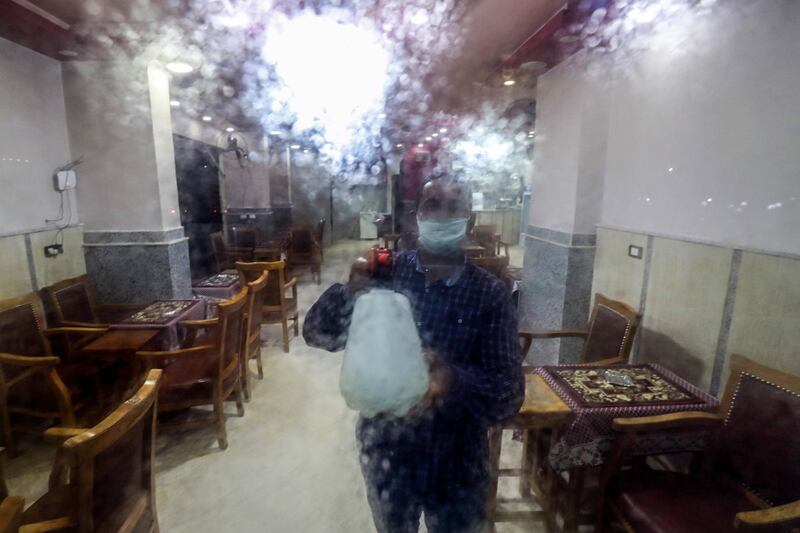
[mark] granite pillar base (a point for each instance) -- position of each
(556, 290)
(138, 266)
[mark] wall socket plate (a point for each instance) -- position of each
(635, 251)
(52, 250)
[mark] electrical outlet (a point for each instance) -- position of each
(53, 250)
(635, 251)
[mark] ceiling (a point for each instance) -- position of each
(495, 33)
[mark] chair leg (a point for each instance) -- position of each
(495, 443)
(296, 326)
(258, 362)
(285, 323)
(244, 378)
(8, 434)
(239, 396)
(219, 414)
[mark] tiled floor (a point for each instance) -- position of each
(291, 465)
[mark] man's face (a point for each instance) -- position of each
(442, 200)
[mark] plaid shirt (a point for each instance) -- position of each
(469, 322)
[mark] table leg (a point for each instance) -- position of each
(572, 504)
(529, 450)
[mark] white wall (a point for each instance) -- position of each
(718, 103)
(119, 120)
(33, 138)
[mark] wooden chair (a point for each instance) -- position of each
(73, 304)
(304, 251)
(750, 479)
(277, 309)
(209, 370)
(104, 475)
(11, 514)
(225, 255)
(32, 380)
(608, 338)
(251, 335)
(485, 235)
(495, 265)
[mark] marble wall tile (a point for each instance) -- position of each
(71, 263)
(16, 278)
(766, 314)
(685, 300)
(139, 273)
(617, 275)
(556, 291)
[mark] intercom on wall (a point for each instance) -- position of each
(64, 180)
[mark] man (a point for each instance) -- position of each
(435, 459)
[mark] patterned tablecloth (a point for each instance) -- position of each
(595, 403)
(222, 286)
(165, 314)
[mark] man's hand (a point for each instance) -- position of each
(439, 379)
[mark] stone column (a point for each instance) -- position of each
(567, 189)
(119, 120)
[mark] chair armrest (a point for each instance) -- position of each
(64, 523)
(77, 324)
(616, 360)
(11, 513)
(58, 435)
(174, 354)
(73, 329)
(27, 360)
(204, 323)
(291, 283)
(779, 518)
(554, 333)
(668, 421)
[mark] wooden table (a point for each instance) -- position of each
(122, 340)
(542, 410)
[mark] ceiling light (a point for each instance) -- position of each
(442, 130)
(206, 118)
(428, 138)
(179, 68)
(174, 103)
(305, 151)
(68, 53)
(382, 115)
(509, 83)
(532, 132)
(399, 145)
(420, 145)
(274, 132)
(295, 146)
(229, 130)
(434, 135)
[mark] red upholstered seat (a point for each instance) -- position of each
(666, 502)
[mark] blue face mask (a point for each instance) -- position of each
(442, 237)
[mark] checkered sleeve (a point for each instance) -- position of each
(493, 388)
(328, 320)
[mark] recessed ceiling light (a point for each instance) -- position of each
(428, 138)
(68, 53)
(179, 67)
(229, 130)
(442, 130)
(206, 118)
(305, 151)
(295, 146)
(274, 132)
(174, 103)
(434, 134)
(420, 145)
(509, 83)
(399, 145)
